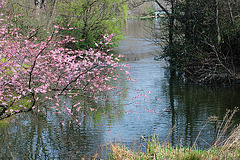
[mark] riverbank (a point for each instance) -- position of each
(230, 149)
(156, 151)
(223, 147)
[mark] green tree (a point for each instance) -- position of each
(203, 39)
(35, 14)
(91, 18)
(212, 38)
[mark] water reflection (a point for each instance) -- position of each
(48, 135)
(195, 104)
(153, 104)
(185, 107)
(137, 44)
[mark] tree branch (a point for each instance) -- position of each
(35, 61)
(74, 80)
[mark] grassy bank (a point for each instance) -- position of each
(223, 148)
(157, 151)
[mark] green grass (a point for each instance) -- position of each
(157, 151)
(228, 148)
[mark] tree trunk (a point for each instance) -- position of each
(52, 14)
(217, 23)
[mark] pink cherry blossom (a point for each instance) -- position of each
(36, 71)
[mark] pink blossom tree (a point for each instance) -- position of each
(32, 72)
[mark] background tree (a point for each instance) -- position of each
(204, 50)
(92, 18)
(203, 39)
(37, 14)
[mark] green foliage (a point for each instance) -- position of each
(4, 124)
(151, 11)
(227, 148)
(90, 19)
(26, 16)
(203, 32)
(157, 151)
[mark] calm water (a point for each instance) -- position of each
(152, 105)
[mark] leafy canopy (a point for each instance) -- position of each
(91, 18)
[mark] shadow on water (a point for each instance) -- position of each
(190, 107)
(186, 107)
(152, 105)
(51, 135)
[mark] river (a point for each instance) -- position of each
(152, 105)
